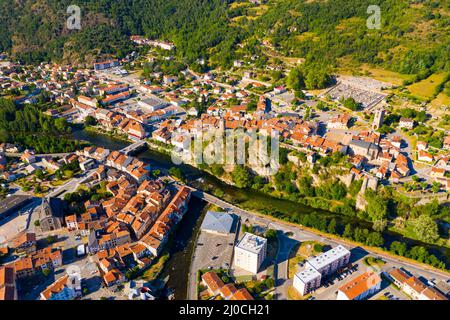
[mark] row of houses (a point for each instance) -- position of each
(414, 287)
(158, 235)
(229, 291)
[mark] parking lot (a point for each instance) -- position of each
(389, 293)
(330, 286)
(213, 251)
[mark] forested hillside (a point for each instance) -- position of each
(35, 30)
(414, 37)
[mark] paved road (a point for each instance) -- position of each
(300, 234)
(52, 155)
(286, 245)
(71, 185)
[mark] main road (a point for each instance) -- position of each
(300, 234)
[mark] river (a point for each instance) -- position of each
(179, 262)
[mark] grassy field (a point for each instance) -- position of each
(425, 89)
(294, 295)
(441, 100)
(301, 253)
(391, 77)
(153, 272)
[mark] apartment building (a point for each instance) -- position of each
(329, 262)
(307, 281)
(320, 267)
(250, 253)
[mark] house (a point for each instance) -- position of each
(135, 129)
(111, 99)
(425, 156)
(114, 89)
(414, 287)
(406, 123)
(398, 276)
(361, 287)
(212, 281)
(8, 289)
(341, 121)
(106, 64)
(447, 142)
(169, 79)
(24, 268)
(228, 291)
(242, 295)
(91, 102)
(67, 287)
(403, 170)
(432, 294)
(25, 243)
(113, 277)
(279, 90)
(422, 145)
(382, 172)
(437, 172)
(28, 157)
(71, 222)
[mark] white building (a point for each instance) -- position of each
(329, 262)
(320, 267)
(152, 104)
(307, 281)
(250, 253)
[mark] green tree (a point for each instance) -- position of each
(295, 80)
(177, 173)
(90, 121)
(377, 206)
(348, 231)
(217, 170)
(375, 239)
(241, 177)
(270, 234)
(332, 226)
(426, 229)
(380, 225)
(399, 248)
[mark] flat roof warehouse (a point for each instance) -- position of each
(12, 204)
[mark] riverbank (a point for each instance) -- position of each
(255, 201)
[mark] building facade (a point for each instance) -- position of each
(250, 253)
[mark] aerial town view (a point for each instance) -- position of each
(240, 150)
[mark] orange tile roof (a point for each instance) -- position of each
(24, 238)
(212, 281)
(242, 294)
(415, 284)
(433, 294)
(55, 288)
(228, 290)
(360, 285)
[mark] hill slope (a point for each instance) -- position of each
(414, 37)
